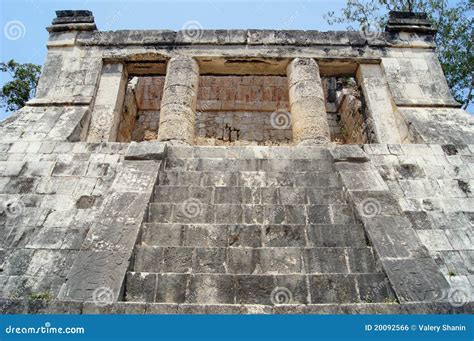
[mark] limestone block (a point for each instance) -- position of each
(136, 176)
(416, 279)
(94, 271)
(146, 150)
(348, 153)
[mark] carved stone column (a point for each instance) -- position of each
(308, 111)
(108, 104)
(178, 107)
(378, 101)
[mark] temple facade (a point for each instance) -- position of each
(238, 171)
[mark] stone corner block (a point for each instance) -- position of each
(349, 153)
(146, 150)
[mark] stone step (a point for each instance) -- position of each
(249, 195)
(236, 165)
(250, 179)
(249, 152)
(257, 289)
(194, 211)
(249, 261)
(238, 235)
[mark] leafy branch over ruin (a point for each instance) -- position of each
(454, 38)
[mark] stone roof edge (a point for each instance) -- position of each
(250, 37)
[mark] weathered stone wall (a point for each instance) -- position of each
(417, 213)
(244, 128)
(71, 211)
(63, 207)
(433, 185)
(415, 77)
(243, 110)
(242, 93)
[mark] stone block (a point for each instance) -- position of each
(322, 260)
(178, 259)
(200, 235)
(213, 289)
(332, 288)
(255, 289)
(393, 237)
(140, 287)
(243, 260)
(284, 235)
(146, 150)
(210, 260)
(171, 288)
(348, 153)
(415, 279)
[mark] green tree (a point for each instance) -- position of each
(454, 38)
(15, 93)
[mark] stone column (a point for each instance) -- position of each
(178, 106)
(308, 111)
(108, 104)
(378, 101)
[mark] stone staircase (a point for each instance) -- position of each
(252, 225)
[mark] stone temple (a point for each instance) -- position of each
(238, 171)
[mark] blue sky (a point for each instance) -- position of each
(34, 15)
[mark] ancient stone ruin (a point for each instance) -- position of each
(238, 171)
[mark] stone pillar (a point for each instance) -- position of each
(108, 104)
(378, 101)
(308, 111)
(178, 106)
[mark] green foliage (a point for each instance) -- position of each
(46, 296)
(15, 93)
(454, 39)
